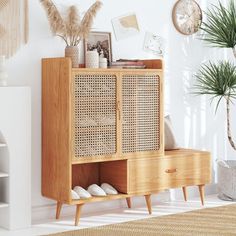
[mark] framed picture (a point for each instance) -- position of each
(125, 26)
(100, 41)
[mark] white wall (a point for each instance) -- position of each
(194, 120)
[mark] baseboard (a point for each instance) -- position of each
(40, 213)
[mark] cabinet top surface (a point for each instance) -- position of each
(109, 70)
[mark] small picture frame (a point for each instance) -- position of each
(100, 41)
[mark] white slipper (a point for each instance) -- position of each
(74, 195)
(108, 189)
(95, 190)
(83, 194)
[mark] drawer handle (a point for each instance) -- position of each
(170, 171)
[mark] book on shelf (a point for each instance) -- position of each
(127, 64)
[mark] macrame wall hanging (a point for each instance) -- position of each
(14, 26)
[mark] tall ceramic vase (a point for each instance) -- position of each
(73, 53)
(3, 71)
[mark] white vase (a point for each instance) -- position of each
(92, 59)
(3, 71)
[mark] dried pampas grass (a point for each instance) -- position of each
(89, 16)
(56, 22)
(72, 29)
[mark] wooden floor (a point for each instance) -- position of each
(115, 216)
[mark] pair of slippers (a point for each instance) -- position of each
(93, 190)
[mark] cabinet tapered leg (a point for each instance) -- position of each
(202, 193)
(78, 213)
(128, 200)
(149, 203)
(58, 212)
(185, 193)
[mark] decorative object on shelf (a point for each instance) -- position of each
(101, 41)
(154, 44)
(170, 141)
(102, 61)
(187, 16)
(71, 29)
(14, 19)
(125, 26)
(74, 195)
(92, 59)
(108, 189)
(83, 194)
(95, 190)
(73, 53)
(220, 28)
(3, 71)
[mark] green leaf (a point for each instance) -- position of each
(220, 27)
(217, 80)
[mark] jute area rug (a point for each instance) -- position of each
(219, 221)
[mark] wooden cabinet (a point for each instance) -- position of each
(107, 126)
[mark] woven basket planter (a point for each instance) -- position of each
(227, 180)
(73, 53)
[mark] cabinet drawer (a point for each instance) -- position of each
(153, 174)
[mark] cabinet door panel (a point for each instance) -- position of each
(141, 107)
(94, 116)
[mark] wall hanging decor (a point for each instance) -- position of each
(187, 16)
(100, 41)
(125, 26)
(3, 71)
(153, 44)
(72, 29)
(13, 26)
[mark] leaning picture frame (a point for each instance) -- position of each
(100, 41)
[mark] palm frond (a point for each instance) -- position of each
(220, 27)
(217, 80)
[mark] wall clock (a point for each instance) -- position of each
(187, 16)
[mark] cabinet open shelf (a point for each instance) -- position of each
(2, 145)
(100, 199)
(3, 204)
(3, 174)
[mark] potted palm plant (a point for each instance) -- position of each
(72, 29)
(219, 81)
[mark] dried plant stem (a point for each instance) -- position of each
(228, 124)
(64, 39)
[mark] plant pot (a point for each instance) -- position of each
(73, 53)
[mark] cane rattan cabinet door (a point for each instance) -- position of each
(141, 107)
(94, 114)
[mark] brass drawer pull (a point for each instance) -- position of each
(169, 171)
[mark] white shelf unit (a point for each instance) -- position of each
(15, 157)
